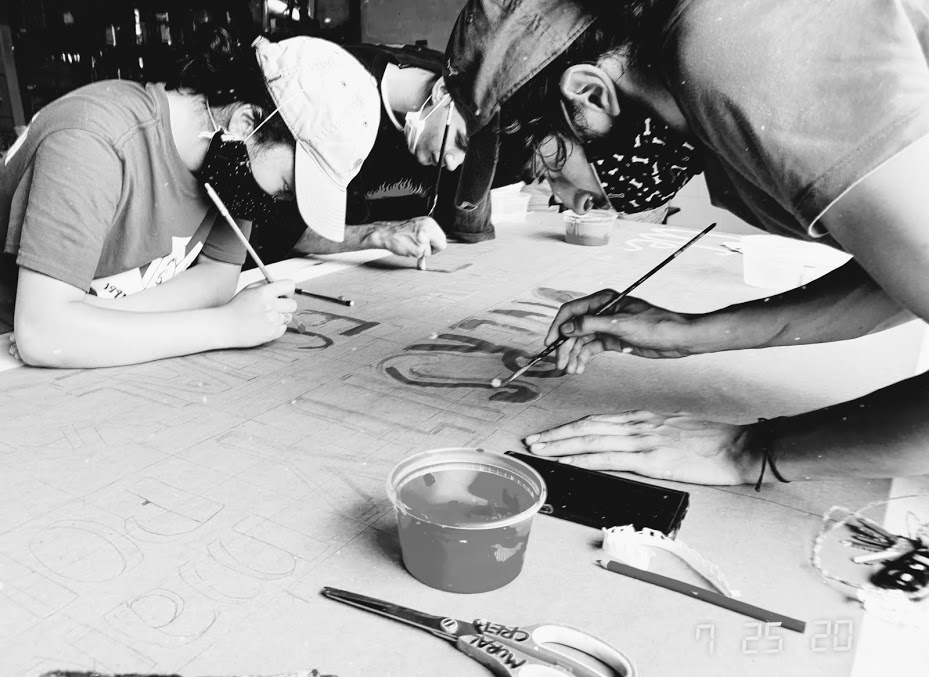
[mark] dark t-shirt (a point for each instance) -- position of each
(392, 185)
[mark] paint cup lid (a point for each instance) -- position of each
(468, 459)
(594, 216)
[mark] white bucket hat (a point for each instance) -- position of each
(331, 104)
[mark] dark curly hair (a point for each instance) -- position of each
(224, 68)
(632, 28)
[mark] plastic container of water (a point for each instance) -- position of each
(509, 204)
(592, 229)
(464, 516)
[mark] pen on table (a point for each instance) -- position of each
(497, 383)
(333, 299)
(703, 594)
(421, 264)
(235, 229)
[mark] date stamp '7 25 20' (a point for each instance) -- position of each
(765, 638)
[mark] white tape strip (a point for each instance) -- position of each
(631, 547)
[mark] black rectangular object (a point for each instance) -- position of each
(600, 500)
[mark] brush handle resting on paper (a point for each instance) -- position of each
(332, 299)
(704, 595)
(497, 383)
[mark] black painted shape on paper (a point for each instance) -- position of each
(361, 325)
(515, 392)
(469, 344)
(559, 296)
(463, 344)
(473, 323)
(410, 263)
(520, 313)
(536, 303)
(324, 341)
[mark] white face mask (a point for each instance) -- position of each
(415, 122)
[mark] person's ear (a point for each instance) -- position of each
(242, 121)
(439, 90)
(590, 90)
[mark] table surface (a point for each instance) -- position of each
(182, 516)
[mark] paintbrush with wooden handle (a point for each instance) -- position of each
(221, 206)
(498, 383)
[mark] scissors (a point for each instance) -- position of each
(508, 651)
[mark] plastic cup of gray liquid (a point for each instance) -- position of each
(464, 516)
(592, 229)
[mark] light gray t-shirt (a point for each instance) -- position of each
(95, 194)
(797, 101)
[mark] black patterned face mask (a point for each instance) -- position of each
(647, 167)
(227, 169)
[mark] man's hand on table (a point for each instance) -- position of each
(416, 237)
(664, 446)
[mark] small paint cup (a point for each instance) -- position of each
(592, 229)
(464, 516)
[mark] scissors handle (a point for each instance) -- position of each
(505, 661)
(581, 641)
(520, 651)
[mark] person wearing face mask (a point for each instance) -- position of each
(113, 252)
(392, 194)
(637, 177)
(813, 123)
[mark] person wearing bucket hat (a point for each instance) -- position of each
(389, 199)
(493, 50)
(486, 66)
(812, 120)
(103, 211)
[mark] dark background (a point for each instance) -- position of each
(50, 47)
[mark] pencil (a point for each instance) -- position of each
(340, 299)
(497, 383)
(704, 595)
(235, 229)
